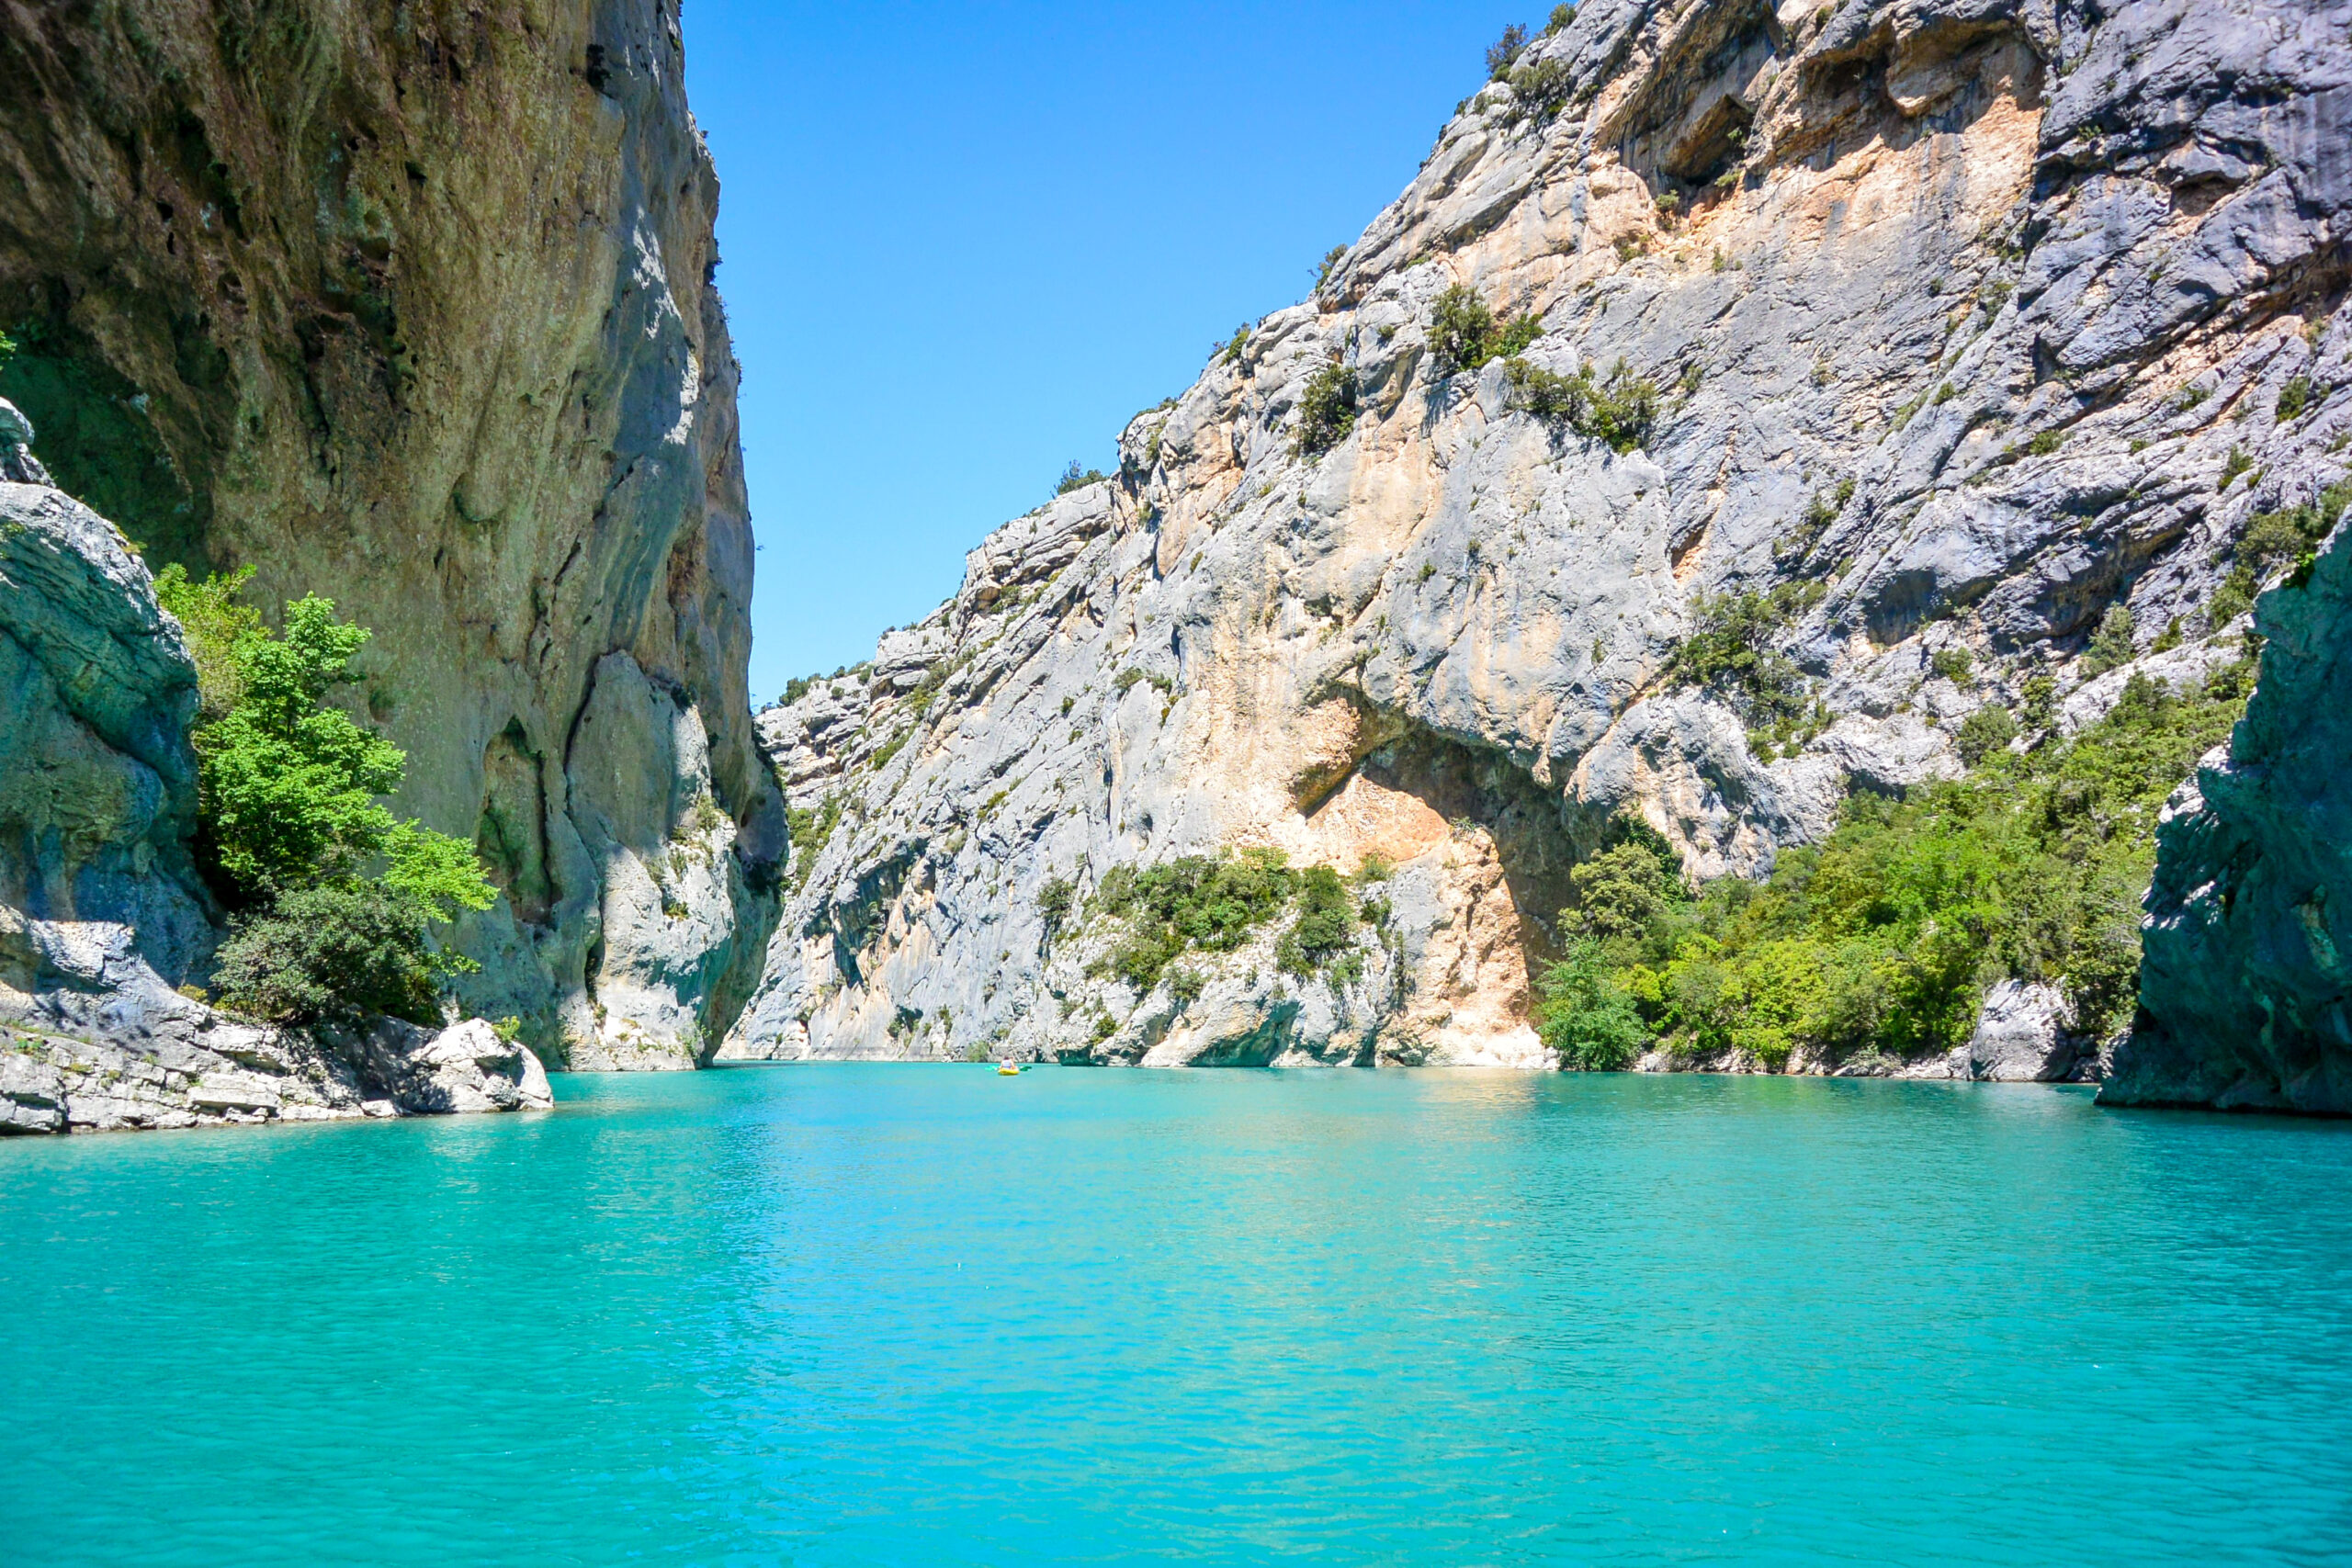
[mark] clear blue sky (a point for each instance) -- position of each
(963, 243)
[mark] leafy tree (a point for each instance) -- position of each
(217, 627)
(2111, 644)
(1504, 50)
(1589, 1016)
(332, 953)
(1625, 888)
(1326, 923)
(336, 896)
(1983, 732)
(1883, 938)
(1465, 334)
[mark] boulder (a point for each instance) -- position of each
(2021, 1035)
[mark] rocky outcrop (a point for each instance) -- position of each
(1963, 322)
(412, 307)
(103, 916)
(2245, 998)
(91, 1040)
(97, 780)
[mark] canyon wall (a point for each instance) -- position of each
(1963, 325)
(410, 304)
(2245, 998)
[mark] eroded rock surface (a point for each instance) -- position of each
(91, 1040)
(97, 780)
(410, 305)
(1976, 314)
(2246, 996)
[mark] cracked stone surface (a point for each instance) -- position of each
(2246, 996)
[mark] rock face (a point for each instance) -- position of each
(2246, 996)
(410, 305)
(91, 1040)
(98, 781)
(1968, 322)
(101, 910)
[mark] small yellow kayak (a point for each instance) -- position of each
(1007, 1070)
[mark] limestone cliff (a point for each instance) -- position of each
(2246, 996)
(409, 305)
(1963, 322)
(99, 897)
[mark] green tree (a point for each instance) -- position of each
(336, 896)
(1587, 1015)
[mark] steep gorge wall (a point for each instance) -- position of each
(2245, 998)
(1974, 315)
(410, 304)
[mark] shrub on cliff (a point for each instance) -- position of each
(1504, 50)
(1465, 334)
(1326, 923)
(1215, 904)
(1538, 89)
(1730, 651)
(335, 896)
(1883, 938)
(1326, 409)
(1621, 411)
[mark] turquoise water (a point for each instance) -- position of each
(890, 1315)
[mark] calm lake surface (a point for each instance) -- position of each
(900, 1314)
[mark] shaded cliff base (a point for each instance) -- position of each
(2245, 998)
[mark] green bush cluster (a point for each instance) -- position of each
(1504, 50)
(333, 898)
(1055, 901)
(1731, 652)
(1465, 334)
(1883, 938)
(2293, 397)
(1989, 730)
(1325, 924)
(1540, 89)
(807, 829)
(2271, 540)
(1326, 409)
(1074, 478)
(1211, 904)
(1620, 409)
(2110, 646)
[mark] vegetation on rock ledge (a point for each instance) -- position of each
(1882, 940)
(1326, 409)
(1213, 904)
(1621, 411)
